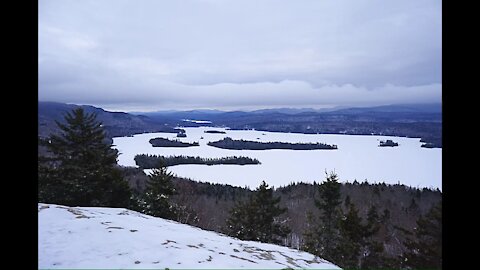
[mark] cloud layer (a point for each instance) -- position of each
(155, 55)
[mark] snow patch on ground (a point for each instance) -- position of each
(96, 237)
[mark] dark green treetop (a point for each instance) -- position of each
(156, 199)
(82, 169)
(323, 236)
(257, 219)
(425, 250)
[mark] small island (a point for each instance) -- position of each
(428, 145)
(181, 133)
(229, 143)
(179, 130)
(153, 161)
(162, 142)
(215, 131)
(389, 143)
(429, 142)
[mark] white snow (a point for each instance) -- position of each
(94, 237)
(357, 158)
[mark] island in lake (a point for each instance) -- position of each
(389, 143)
(229, 143)
(428, 145)
(153, 161)
(215, 131)
(162, 142)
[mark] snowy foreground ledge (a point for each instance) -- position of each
(95, 237)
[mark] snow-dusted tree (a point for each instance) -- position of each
(159, 189)
(257, 219)
(82, 169)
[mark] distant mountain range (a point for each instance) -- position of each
(411, 108)
(420, 120)
(115, 123)
(423, 108)
(177, 111)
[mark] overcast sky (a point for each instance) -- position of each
(145, 55)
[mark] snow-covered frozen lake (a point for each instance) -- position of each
(358, 158)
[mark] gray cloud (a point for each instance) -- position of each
(238, 54)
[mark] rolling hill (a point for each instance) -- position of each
(115, 123)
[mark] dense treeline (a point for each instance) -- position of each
(388, 216)
(152, 161)
(163, 142)
(229, 143)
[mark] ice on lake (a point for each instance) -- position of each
(358, 157)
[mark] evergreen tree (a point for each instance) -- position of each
(323, 237)
(241, 221)
(373, 217)
(82, 169)
(351, 239)
(344, 239)
(357, 248)
(256, 219)
(159, 189)
(372, 252)
(270, 230)
(347, 201)
(425, 251)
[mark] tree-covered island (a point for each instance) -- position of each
(152, 161)
(388, 143)
(162, 142)
(229, 143)
(215, 131)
